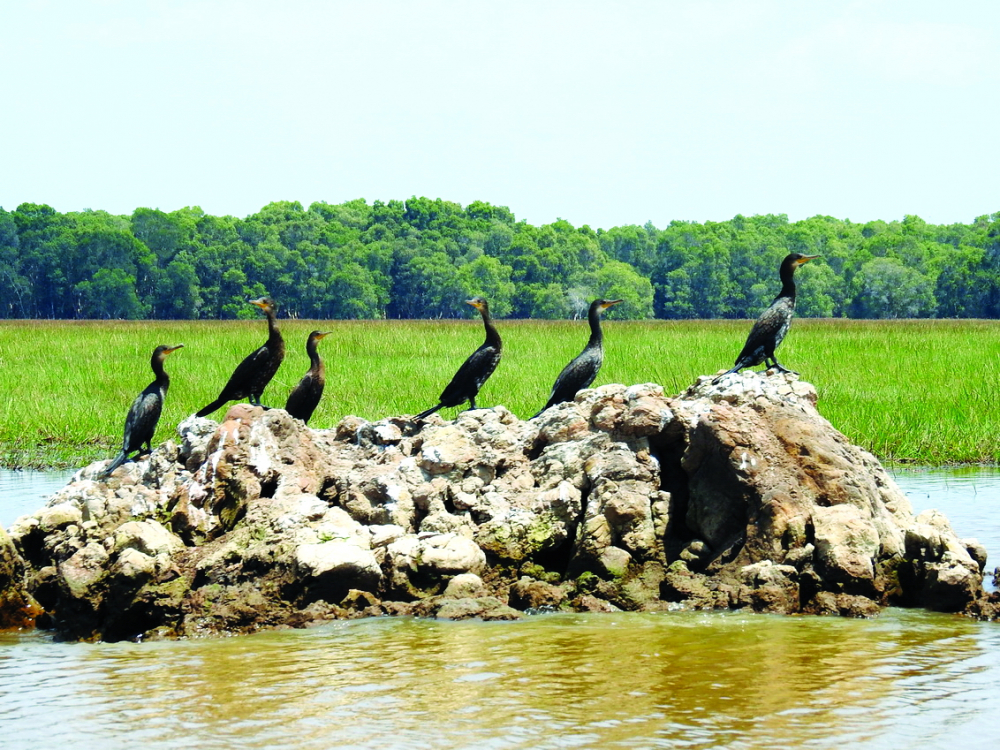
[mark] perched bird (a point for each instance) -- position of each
(140, 424)
(252, 375)
(772, 325)
(304, 398)
(580, 373)
(475, 370)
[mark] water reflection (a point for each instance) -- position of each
(682, 679)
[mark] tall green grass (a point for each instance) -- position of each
(909, 391)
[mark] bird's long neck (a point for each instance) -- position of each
(492, 337)
(162, 380)
(596, 334)
(315, 363)
(787, 281)
(273, 334)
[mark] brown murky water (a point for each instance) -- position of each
(678, 680)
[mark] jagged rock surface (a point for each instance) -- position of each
(735, 495)
(17, 609)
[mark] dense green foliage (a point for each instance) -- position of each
(419, 258)
(915, 391)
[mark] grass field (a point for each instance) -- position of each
(923, 392)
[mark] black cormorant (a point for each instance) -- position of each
(580, 373)
(304, 398)
(140, 424)
(475, 370)
(253, 374)
(773, 323)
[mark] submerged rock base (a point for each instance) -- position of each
(738, 495)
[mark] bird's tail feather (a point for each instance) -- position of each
(541, 411)
(727, 372)
(428, 412)
(211, 407)
(119, 460)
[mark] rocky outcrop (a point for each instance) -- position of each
(17, 609)
(738, 495)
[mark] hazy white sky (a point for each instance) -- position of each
(600, 113)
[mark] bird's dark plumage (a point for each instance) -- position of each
(580, 373)
(143, 415)
(475, 370)
(304, 398)
(772, 325)
(252, 375)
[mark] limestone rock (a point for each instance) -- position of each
(530, 594)
(976, 551)
(17, 608)
(846, 544)
(148, 537)
(465, 586)
(418, 564)
(769, 587)
(482, 608)
(331, 569)
(83, 569)
(733, 495)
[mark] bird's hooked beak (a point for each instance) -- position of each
(475, 303)
(805, 259)
(260, 303)
(609, 302)
(171, 349)
(322, 334)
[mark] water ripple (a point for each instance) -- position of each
(678, 680)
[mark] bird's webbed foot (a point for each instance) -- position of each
(781, 368)
(255, 401)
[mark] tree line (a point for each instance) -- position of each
(421, 257)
